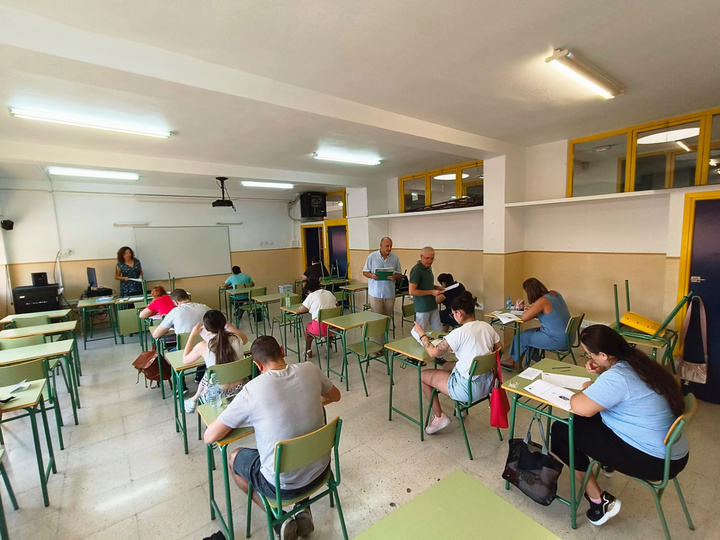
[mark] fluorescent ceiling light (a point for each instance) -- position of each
(582, 72)
(145, 224)
(346, 159)
(90, 173)
(449, 176)
(683, 146)
(272, 185)
(83, 121)
(672, 135)
(229, 223)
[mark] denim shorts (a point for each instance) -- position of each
(458, 386)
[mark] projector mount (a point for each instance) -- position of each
(223, 202)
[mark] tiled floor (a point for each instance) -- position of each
(123, 473)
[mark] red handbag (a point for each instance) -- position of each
(499, 404)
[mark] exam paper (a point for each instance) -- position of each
(505, 317)
(559, 397)
(530, 373)
(19, 387)
(572, 382)
(139, 280)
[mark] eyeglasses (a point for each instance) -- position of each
(587, 355)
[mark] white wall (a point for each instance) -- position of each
(462, 231)
(546, 171)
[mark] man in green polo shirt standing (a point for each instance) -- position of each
(424, 291)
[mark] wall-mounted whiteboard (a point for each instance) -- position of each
(182, 251)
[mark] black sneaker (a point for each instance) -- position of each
(608, 471)
(216, 536)
(304, 522)
(601, 512)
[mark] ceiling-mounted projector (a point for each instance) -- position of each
(223, 201)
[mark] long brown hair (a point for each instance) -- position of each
(600, 338)
(221, 343)
(534, 289)
(121, 253)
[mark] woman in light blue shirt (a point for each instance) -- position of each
(621, 419)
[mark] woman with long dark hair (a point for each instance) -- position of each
(223, 347)
(621, 419)
(127, 269)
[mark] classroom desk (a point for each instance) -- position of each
(208, 415)
(294, 319)
(29, 400)
(88, 307)
(265, 300)
(340, 326)
(332, 281)
(232, 297)
(516, 386)
(55, 349)
(350, 289)
(515, 326)
(55, 314)
(410, 353)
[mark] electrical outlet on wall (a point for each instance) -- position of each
(66, 252)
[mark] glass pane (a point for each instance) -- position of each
(667, 157)
(472, 182)
(714, 168)
(442, 187)
(335, 205)
(599, 166)
(414, 193)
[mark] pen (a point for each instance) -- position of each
(562, 368)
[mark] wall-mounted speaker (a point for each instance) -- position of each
(312, 205)
(7, 224)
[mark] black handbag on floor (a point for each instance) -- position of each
(531, 469)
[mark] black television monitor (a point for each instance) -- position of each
(92, 278)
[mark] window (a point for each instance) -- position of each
(413, 193)
(441, 185)
(335, 204)
(598, 165)
(713, 174)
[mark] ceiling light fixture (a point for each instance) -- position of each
(346, 159)
(584, 73)
(672, 135)
(91, 173)
(83, 121)
(683, 146)
(131, 224)
(450, 176)
(271, 185)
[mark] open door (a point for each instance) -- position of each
(312, 243)
(338, 259)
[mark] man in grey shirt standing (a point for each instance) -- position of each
(382, 291)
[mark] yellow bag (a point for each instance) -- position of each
(638, 322)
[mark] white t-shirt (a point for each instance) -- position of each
(280, 405)
(320, 299)
(184, 317)
(472, 339)
(235, 342)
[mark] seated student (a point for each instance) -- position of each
(161, 305)
(552, 311)
(237, 278)
(223, 347)
(285, 401)
(316, 270)
(453, 289)
(183, 317)
(473, 338)
(621, 419)
(316, 300)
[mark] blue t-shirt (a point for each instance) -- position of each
(637, 414)
(384, 288)
(238, 279)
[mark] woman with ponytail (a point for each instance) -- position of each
(472, 338)
(222, 347)
(621, 419)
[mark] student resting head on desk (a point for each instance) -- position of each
(283, 402)
(222, 347)
(473, 338)
(316, 300)
(621, 419)
(162, 304)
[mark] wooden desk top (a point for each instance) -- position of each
(174, 358)
(293, 308)
(410, 347)
(24, 399)
(39, 330)
(354, 287)
(208, 415)
(54, 314)
(354, 320)
(33, 352)
(269, 298)
(92, 302)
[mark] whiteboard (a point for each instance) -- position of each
(182, 251)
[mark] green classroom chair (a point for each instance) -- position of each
(25, 322)
(3, 524)
(480, 365)
(294, 454)
(572, 339)
(284, 319)
(251, 308)
(368, 349)
(340, 299)
(658, 488)
(327, 340)
(408, 313)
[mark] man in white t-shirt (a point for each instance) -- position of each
(315, 301)
(183, 317)
(285, 401)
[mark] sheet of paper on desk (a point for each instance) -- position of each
(104, 298)
(559, 397)
(530, 373)
(19, 387)
(566, 381)
(505, 317)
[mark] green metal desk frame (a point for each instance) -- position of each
(294, 320)
(88, 308)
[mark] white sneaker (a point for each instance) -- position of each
(189, 406)
(438, 423)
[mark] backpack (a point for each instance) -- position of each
(402, 285)
(148, 363)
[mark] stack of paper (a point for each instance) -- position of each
(506, 317)
(559, 397)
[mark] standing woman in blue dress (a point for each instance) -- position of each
(128, 267)
(550, 308)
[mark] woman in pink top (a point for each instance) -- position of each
(161, 305)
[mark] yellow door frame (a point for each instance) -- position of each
(326, 252)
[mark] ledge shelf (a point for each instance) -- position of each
(592, 198)
(428, 213)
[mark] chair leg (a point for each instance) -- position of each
(684, 506)
(11, 494)
(340, 513)
(432, 399)
(249, 510)
(367, 363)
(462, 425)
(657, 495)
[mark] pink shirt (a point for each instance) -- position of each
(163, 305)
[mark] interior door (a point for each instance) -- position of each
(337, 245)
(704, 281)
(312, 243)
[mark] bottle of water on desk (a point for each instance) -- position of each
(287, 299)
(214, 394)
(508, 304)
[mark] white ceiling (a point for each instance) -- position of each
(251, 89)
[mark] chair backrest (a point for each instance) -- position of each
(233, 371)
(483, 363)
(329, 313)
(378, 328)
(572, 329)
(295, 298)
(32, 371)
(302, 451)
(676, 429)
(24, 322)
(241, 286)
(6, 344)
(257, 291)
(408, 309)
(182, 340)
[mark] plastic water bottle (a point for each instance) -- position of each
(508, 304)
(287, 299)
(214, 394)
